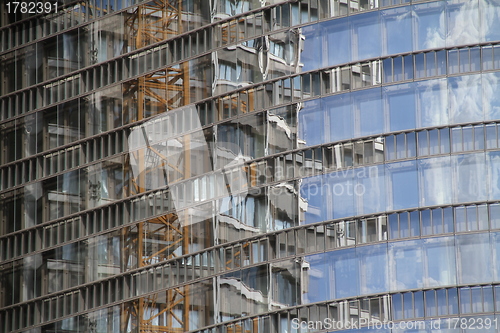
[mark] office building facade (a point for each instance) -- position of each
(250, 166)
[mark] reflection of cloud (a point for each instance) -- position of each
(435, 35)
(168, 150)
(491, 95)
(434, 100)
(490, 19)
(466, 99)
(463, 27)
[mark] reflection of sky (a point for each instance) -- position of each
(408, 264)
(411, 28)
(465, 98)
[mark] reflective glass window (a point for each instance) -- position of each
(312, 192)
(369, 114)
(400, 103)
(312, 122)
(491, 95)
(346, 272)
(397, 30)
(495, 241)
(340, 117)
(490, 20)
(465, 98)
(469, 177)
(474, 255)
(403, 181)
(432, 99)
(341, 186)
(371, 187)
(462, 23)
(373, 275)
(408, 67)
(338, 41)
(440, 266)
(406, 265)
(312, 54)
(429, 24)
(319, 279)
(365, 38)
(494, 174)
(435, 181)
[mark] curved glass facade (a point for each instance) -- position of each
(250, 166)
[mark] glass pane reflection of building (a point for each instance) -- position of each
(244, 166)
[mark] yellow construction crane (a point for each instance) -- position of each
(156, 239)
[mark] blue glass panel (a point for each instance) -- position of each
(433, 142)
(490, 19)
(479, 137)
(312, 122)
(494, 174)
(365, 35)
(441, 62)
(400, 102)
(319, 279)
(390, 153)
(491, 95)
(311, 191)
(462, 23)
(465, 300)
(426, 222)
(429, 24)
(495, 216)
(469, 172)
(340, 116)
(345, 270)
(452, 301)
(397, 306)
(448, 219)
(414, 224)
(408, 64)
(411, 143)
(312, 54)
(442, 301)
(419, 304)
(403, 184)
(371, 189)
(435, 181)
(444, 135)
(460, 218)
(432, 96)
(488, 304)
(495, 240)
(465, 98)
(339, 43)
(393, 226)
(398, 68)
(406, 265)
(408, 305)
(474, 255)
(430, 303)
(341, 186)
(405, 229)
(437, 220)
(372, 269)
(387, 70)
(419, 66)
(369, 114)
(440, 266)
(397, 28)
